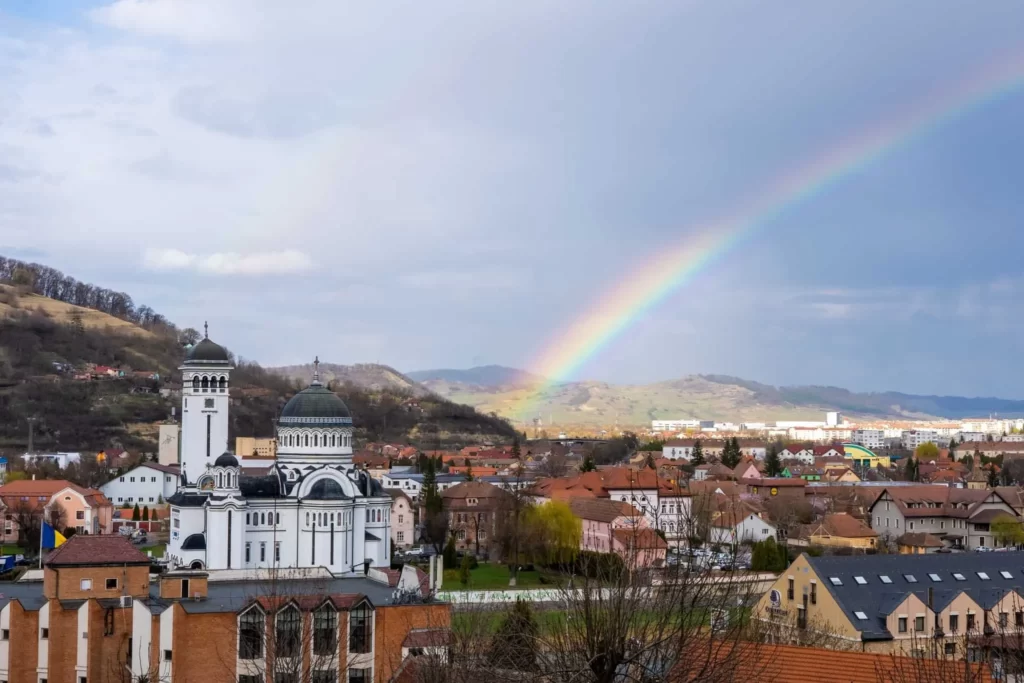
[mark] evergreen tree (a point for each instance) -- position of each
(449, 553)
(464, 570)
(145, 514)
(588, 464)
(136, 514)
(698, 454)
(516, 452)
(431, 497)
(772, 464)
(731, 453)
(514, 645)
(469, 473)
(910, 471)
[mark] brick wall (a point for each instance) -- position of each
(24, 646)
(63, 643)
(65, 583)
(393, 625)
(205, 647)
(108, 652)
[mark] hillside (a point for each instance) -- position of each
(485, 376)
(370, 376)
(710, 397)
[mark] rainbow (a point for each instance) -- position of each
(644, 288)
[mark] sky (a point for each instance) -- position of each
(451, 184)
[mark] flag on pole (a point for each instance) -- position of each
(51, 538)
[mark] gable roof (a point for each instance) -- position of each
(33, 489)
(602, 509)
(929, 500)
(83, 550)
(875, 596)
(841, 525)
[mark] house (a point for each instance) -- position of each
(403, 528)
(682, 449)
(639, 548)
(147, 484)
(746, 469)
(798, 452)
(31, 500)
(770, 487)
(842, 476)
(475, 510)
(918, 543)
(960, 517)
(614, 526)
(840, 530)
(830, 451)
(914, 604)
(738, 525)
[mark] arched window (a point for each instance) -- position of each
(339, 519)
(205, 383)
(220, 480)
(250, 634)
(247, 521)
(263, 518)
(367, 514)
(195, 384)
(307, 519)
(277, 518)
(316, 440)
(288, 627)
(325, 632)
(223, 383)
(306, 440)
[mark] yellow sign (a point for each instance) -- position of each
(775, 491)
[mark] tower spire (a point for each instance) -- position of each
(206, 330)
(316, 370)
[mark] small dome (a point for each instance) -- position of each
(315, 404)
(226, 460)
(207, 351)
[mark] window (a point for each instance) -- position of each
(263, 551)
(208, 403)
(359, 676)
(836, 581)
(861, 581)
(901, 624)
(250, 678)
(133, 479)
(910, 578)
(288, 628)
(970, 622)
(884, 578)
(950, 649)
(277, 551)
(277, 518)
(360, 630)
(325, 631)
(111, 584)
(152, 479)
(325, 676)
(959, 577)
(861, 616)
(790, 590)
(983, 576)
(919, 624)
(400, 536)
(167, 655)
(954, 623)
(86, 584)
(250, 635)
(1006, 575)
(248, 551)
(935, 577)
(1004, 619)
(401, 519)
(5, 634)
(814, 593)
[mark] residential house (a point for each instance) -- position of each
(799, 452)
(148, 484)
(746, 469)
(614, 526)
(736, 525)
(842, 476)
(475, 510)
(960, 517)
(918, 543)
(403, 527)
(641, 548)
(922, 605)
(769, 487)
(682, 449)
(839, 530)
(829, 451)
(87, 510)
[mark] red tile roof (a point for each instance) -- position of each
(641, 539)
(100, 550)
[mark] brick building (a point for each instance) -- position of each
(473, 509)
(97, 614)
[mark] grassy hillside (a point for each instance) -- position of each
(370, 376)
(14, 304)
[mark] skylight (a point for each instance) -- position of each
(861, 616)
(910, 578)
(884, 578)
(836, 581)
(959, 577)
(935, 577)
(983, 576)
(1006, 575)
(860, 580)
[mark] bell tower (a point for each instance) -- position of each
(205, 386)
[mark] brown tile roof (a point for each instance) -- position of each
(937, 501)
(99, 550)
(842, 525)
(602, 509)
(33, 489)
(919, 539)
(795, 664)
(642, 539)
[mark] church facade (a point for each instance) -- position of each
(311, 508)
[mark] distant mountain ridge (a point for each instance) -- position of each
(519, 394)
(372, 376)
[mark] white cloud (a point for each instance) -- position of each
(228, 263)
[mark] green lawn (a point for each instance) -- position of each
(11, 550)
(156, 550)
(488, 622)
(489, 577)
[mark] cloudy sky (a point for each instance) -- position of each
(450, 184)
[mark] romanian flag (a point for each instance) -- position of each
(51, 538)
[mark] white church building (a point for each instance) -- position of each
(312, 508)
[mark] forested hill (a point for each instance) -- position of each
(94, 379)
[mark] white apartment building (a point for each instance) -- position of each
(868, 438)
(981, 436)
(148, 484)
(833, 419)
(673, 425)
(805, 424)
(913, 438)
(61, 460)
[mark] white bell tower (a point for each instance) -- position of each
(205, 385)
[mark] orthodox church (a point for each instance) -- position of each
(311, 508)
